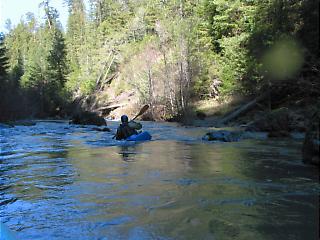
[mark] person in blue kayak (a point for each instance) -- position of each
(126, 128)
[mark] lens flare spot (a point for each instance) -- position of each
(283, 60)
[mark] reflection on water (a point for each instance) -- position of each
(66, 182)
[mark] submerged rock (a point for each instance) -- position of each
(105, 129)
(223, 136)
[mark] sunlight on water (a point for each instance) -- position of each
(68, 182)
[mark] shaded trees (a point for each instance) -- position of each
(170, 52)
(37, 62)
(4, 64)
(45, 70)
(3, 79)
(246, 33)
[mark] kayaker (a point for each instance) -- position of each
(126, 128)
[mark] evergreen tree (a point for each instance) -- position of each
(169, 51)
(45, 65)
(3, 62)
(75, 30)
(3, 75)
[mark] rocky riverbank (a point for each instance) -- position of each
(286, 121)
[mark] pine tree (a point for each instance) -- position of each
(75, 31)
(4, 86)
(3, 67)
(3, 62)
(45, 66)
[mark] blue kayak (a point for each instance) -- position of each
(6, 233)
(143, 136)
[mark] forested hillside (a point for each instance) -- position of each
(169, 53)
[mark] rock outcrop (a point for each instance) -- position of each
(223, 136)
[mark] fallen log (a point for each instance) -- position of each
(108, 109)
(108, 81)
(230, 116)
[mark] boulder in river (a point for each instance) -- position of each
(88, 118)
(223, 136)
(311, 144)
(105, 129)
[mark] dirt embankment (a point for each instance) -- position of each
(253, 115)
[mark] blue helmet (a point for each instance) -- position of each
(124, 118)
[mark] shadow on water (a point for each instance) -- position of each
(128, 152)
(66, 182)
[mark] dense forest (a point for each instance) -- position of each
(169, 53)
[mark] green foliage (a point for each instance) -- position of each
(168, 51)
(3, 75)
(87, 87)
(37, 58)
(45, 69)
(230, 25)
(17, 42)
(243, 32)
(3, 62)
(75, 34)
(9, 94)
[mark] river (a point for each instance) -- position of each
(59, 181)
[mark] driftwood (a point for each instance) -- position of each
(242, 109)
(108, 80)
(107, 72)
(108, 109)
(103, 68)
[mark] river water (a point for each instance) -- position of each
(59, 181)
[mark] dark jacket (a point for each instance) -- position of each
(124, 131)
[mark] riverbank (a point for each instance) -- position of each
(290, 119)
(287, 116)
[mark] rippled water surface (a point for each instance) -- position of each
(66, 182)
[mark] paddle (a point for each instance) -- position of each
(142, 111)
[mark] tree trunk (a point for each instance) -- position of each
(242, 109)
(151, 90)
